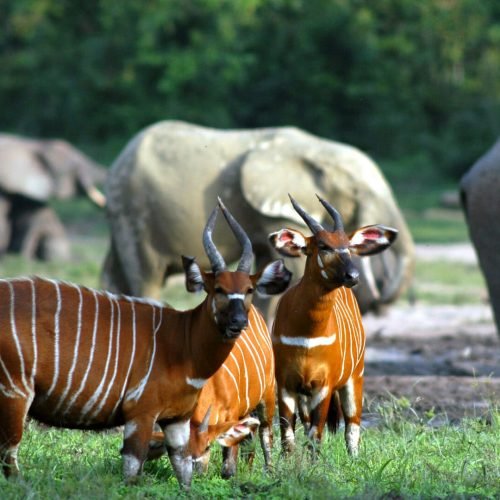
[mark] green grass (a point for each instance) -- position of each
(401, 457)
(442, 282)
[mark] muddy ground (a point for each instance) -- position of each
(445, 360)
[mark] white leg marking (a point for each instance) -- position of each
(318, 397)
(130, 428)
(347, 399)
(289, 436)
(290, 400)
(177, 435)
(352, 433)
(131, 466)
(312, 432)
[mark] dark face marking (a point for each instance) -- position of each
(333, 258)
(232, 298)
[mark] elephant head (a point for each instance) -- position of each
(43, 169)
(304, 164)
(148, 205)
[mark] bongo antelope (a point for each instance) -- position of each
(77, 358)
(318, 336)
(244, 383)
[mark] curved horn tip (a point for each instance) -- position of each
(220, 202)
(206, 420)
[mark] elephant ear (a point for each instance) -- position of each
(271, 171)
(22, 173)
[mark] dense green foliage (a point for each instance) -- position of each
(402, 79)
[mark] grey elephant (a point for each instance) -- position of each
(162, 186)
(32, 172)
(479, 194)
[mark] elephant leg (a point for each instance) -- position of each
(5, 225)
(37, 232)
(112, 275)
(131, 267)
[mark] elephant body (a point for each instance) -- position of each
(479, 189)
(162, 186)
(32, 172)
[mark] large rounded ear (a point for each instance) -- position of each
(239, 431)
(276, 167)
(370, 240)
(21, 170)
(194, 276)
(289, 242)
(274, 279)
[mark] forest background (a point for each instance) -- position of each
(415, 83)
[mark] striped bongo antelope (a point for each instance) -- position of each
(77, 358)
(244, 383)
(318, 336)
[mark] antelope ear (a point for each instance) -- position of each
(194, 276)
(370, 240)
(274, 279)
(288, 242)
(239, 431)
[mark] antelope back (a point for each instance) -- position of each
(76, 354)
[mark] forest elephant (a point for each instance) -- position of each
(32, 172)
(161, 187)
(479, 193)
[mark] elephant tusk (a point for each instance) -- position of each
(370, 278)
(96, 196)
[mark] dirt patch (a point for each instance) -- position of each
(443, 360)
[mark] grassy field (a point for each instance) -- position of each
(402, 456)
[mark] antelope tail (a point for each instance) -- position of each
(334, 413)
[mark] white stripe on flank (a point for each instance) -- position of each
(16, 338)
(93, 400)
(256, 341)
(249, 348)
(306, 342)
(115, 370)
(11, 382)
(56, 338)
(234, 380)
(33, 332)
(91, 356)
(245, 377)
(75, 350)
(197, 383)
(131, 362)
(136, 393)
